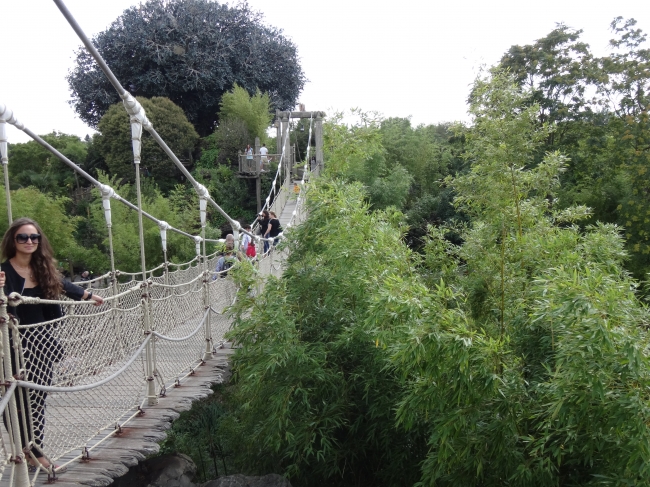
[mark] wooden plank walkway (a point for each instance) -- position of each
(140, 436)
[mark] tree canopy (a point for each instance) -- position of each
(170, 122)
(253, 110)
(33, 165)
(192, 52)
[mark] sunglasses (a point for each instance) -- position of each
(22, 238)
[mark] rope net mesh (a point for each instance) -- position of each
(90, 344)
(80, 349)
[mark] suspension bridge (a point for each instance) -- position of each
(96, 398)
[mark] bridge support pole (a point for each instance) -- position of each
(108, 192)
(19, 471)
(138, 119)
(5, 165)
(207, 326)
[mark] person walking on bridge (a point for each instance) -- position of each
(263, 220)
(274, 228)
(227, 259)
(30, 270)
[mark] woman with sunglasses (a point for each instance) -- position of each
(30, 269)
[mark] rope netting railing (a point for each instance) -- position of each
(69, 380)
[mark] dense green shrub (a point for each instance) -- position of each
(516, 358)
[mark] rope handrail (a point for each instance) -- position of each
(9, 118)
(59, 320)
(16, 299)
(187, 337)
(171, 286)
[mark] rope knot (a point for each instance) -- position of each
(14, 299)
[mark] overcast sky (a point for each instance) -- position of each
(402, 58)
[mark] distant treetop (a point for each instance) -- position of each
(192, 52)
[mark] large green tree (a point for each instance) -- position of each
(114, 143)
(599, 110)
(526, 358)
(387, 185)
(192, 52)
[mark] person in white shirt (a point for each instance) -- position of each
(264, 156)
(245, 239)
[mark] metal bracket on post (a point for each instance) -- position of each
(197, 244)
(164, 226)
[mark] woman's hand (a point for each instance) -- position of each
(98, 300)
(2, 279)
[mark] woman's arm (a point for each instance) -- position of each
(71, 290)
(78, 293)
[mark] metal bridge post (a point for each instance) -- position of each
(207, 327)
(107, 192)
(5, 163)
(19, 472)
(164, 226)
(138, 119)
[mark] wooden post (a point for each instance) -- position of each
(286, 148)
(278, 133)
(258, 192)
(318, 136)
(256, 156)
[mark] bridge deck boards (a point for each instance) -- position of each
(140, 437)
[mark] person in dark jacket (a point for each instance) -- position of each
(30, 270)
(263, 219)
(274, 228)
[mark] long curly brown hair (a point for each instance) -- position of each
(43, 264)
